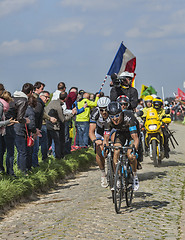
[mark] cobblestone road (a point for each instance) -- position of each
(81, 209)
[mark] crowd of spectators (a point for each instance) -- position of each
(176, 107)
(47, 117)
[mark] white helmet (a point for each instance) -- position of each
(166, 102)
(103, 102)
(126, 74)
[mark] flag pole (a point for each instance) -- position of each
(103, 84)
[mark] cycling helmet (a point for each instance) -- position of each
(166, 103)
(103, 102)
(114, 108)
(157, 103)
(123, 99)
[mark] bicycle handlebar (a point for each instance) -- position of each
(120, 148)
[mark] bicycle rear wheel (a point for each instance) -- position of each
(118, 188)
(128, 186)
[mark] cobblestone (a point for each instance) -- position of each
(82, 209)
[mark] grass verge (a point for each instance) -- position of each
(44, 176)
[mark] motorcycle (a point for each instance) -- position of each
(154, 138)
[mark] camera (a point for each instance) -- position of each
(117, 82)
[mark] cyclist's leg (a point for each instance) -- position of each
(100, 160)
(133, 164)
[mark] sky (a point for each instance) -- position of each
(75, 41)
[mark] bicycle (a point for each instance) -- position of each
(123, 180)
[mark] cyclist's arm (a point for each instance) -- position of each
(134, 136)
(136, 143)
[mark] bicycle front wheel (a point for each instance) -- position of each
(110, 173)
(118, 188)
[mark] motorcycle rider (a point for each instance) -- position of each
(158, 105)
(126, 133)
(121, 85)
(98, 118)
(148, 100)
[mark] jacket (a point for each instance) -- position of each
(54, 109)
(20, 128)
(85, 116)
(130, 92)
(18, 107)
(39, 111)
(3, 122)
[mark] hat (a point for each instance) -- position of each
(127, 74)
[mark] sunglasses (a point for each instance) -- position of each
(115, 116)
(103, 110)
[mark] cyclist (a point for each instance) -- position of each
(158, 105)
(126, 133)
(98, 118)
(123, 100)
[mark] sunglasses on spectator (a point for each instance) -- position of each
(103, 109)
(115, 116)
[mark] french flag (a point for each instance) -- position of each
(123, 61)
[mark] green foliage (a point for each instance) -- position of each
(44, 176)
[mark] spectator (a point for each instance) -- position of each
(30, 114)
(92, 97)
(38, 88)
(71, 98)
(14, 134)
(56, 131)
(82, 120)
(60, 88)
(140, 105)
(43, 98)
(43, 140)
(4, 106)
(80, 95)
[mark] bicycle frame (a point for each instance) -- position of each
(124, 175)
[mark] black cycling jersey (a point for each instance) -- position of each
(100, 122)
(128, 123)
